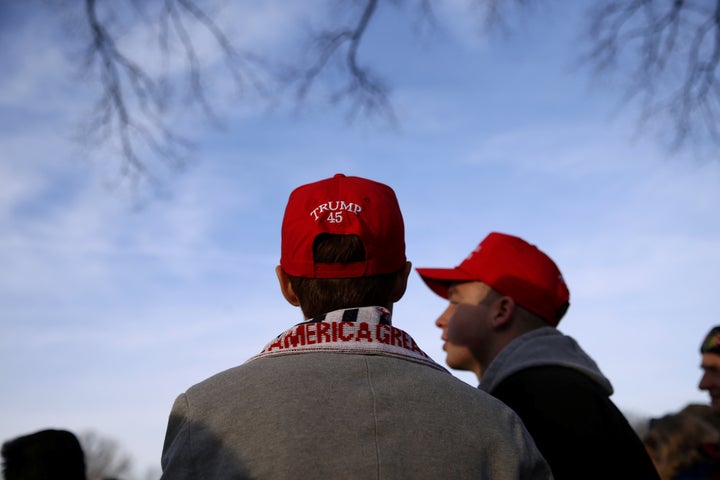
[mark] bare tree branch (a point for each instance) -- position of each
(670, 52)
(111, 111)
(496, 14)
(131, 109)
(667, 52)
(104, 458)
(364, 90)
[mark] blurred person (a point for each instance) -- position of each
(710, 364)
(43, 455)
(344, 393)
(683, 446)
(705, 412)
(506, 300)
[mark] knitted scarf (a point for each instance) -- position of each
(366, 330)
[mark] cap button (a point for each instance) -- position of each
(339, 175)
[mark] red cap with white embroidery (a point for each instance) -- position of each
(344, 206)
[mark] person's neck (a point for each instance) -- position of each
(496, 344)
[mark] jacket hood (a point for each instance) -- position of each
(541, 347)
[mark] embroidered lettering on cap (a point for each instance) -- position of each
(335, 208)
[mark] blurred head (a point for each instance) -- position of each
(43, 455)
(710, 364)
(343, 246)
(678, 443)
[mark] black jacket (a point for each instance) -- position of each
(564, 401)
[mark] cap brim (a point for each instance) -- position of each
(440, 279)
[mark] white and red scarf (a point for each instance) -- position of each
(366, 330)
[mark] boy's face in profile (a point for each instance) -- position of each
(710, 380)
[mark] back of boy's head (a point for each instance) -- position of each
(343, 243)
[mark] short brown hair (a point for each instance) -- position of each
(675, 443)
(322, 295)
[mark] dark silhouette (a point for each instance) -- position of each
(710, 364)
(44, 455)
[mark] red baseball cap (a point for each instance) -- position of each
(345, 206)
(512, 267)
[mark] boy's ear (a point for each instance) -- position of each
(502, 311)
(286, 287)
(401, 283)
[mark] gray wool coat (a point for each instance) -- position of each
(321, 415)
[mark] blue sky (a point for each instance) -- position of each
(108, 311)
